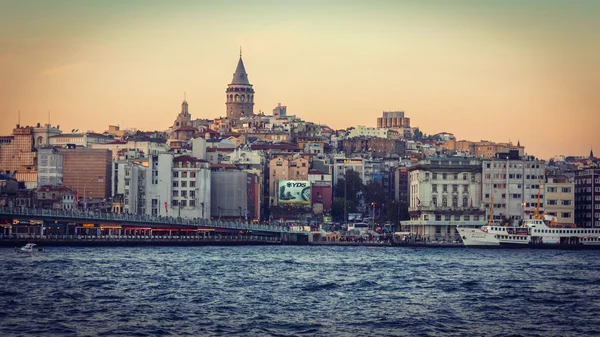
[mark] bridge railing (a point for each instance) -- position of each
(95, 216)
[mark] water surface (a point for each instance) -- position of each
(295, 291)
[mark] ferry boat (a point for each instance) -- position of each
(532, 233)
(539, 232)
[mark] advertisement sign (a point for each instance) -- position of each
(294, 192)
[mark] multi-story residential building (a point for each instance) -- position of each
(374, 171)
(444, 193)
(363, 131)
(50, 167)
(342, 164)
(587, 197)
(55, 197)
(322, 188)
(178, 186)
(87, 171)
(560, 199)
(17, 151)
(482, 149)
(515, 184)
(281, 168)
(129, 185)
(235, 194)
(401, 184)
(79, 139)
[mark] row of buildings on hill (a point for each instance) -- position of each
(277, 167)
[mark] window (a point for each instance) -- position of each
(455, 176)
(184, 174)
(192, 203)
(447, 218)
(464, 176)
(445, 188)
(192, 194)
(192, 174)
(444, 176)
(184, 184)
(434, 201)
(457, 218)
(454, 202)
(434, 188)
(467, 217)
(174, 203)
(454, 188)
(175, 184)
(445, 202)
(565, 214)
(465, 202)
(566, 190)
(566, 202)
(552, 202)
(438, 218)
(175, 193)
(475, 217)
(183, 203)
(175, 174)
(192, 184)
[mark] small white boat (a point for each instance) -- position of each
(29, 248)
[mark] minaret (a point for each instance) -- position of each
(239, 94)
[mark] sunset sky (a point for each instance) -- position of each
(493, 70)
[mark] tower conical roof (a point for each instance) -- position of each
(240, 76)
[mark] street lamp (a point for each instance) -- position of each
(77, 184)
(84, 194)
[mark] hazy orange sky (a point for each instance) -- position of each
(494, 70)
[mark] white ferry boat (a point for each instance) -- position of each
(534, 233)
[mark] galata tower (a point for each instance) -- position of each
(240, 95)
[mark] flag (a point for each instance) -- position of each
(166, 209)
(419, 202)
(471, 202)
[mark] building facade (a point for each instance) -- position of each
(443, 194)
(87, 171)
(560, 199)
(17, 151)
(514, 184)
(178, 186)
(587, 197)
(50, 167)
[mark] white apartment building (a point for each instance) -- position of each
(178, 186)
(514, 183)
(133, 183)
(341, 165)
(50, 167)
(363, 131)
(444, 193)
(560, 199)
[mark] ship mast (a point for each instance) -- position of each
(491, 211)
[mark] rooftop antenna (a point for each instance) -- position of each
(48, 117)
(240, 51)
(19, 119)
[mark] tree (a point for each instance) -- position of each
(396, 212)
(352, 188)
(418, 134)
(373, 192)
(337, 208)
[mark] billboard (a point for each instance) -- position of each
(294, 192)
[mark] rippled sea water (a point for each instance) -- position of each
(299, 290)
